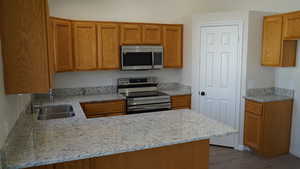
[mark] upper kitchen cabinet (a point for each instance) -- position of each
(108, 46)
(152, 34)
(62, 45)
(131, 34)
(85, 45)
(291, 26)
(275, 50)
(24, 36)
(172, 42)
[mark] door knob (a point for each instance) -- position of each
(202, 93)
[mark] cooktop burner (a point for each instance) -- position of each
(145, 94)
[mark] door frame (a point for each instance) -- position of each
(238, 104)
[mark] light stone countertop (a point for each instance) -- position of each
(34, 143)
(270, 94)
(268, 98)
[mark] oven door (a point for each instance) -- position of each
(136, 58)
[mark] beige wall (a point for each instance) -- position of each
(10, 107)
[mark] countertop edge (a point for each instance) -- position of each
(260, 100)
(43, 163)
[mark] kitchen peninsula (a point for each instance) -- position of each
(181, 136)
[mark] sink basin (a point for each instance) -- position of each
(55, 112)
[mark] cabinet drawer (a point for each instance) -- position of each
(253, 107)
(103, 109)
(181, 102)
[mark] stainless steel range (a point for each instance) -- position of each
(142, 95)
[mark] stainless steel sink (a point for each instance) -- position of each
(55, 112)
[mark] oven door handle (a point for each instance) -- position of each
(150, 107)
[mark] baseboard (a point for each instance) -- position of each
(241, 148)
(297, 154)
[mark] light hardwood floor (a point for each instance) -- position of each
(224, 158)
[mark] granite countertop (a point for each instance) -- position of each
(268, 98)
(270, 94)
(34, 143)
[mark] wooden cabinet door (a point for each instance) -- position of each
(152, 34)
(272, 41)
(79, 164)
(108, 46)
(85, 45)
(62, 45)
(172, 41)
(24, 38)
(108, 162)
(131, 34)
(181, 102)
(104, 109)
(292, 26)
(253, 130)
(43, 167)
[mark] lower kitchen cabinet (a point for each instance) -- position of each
(192, 155)
(268, 127)
(181, 102)
(79, 164)
(43, 167)
(104, 109)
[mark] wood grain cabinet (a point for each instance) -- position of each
(85, 45)
(108, 46)
(131, 34)
(192, 155)
(104, 109)
(25, 46)
(268, 126)
(62, 44)
(181, 102)
(291, 26)
(172, 42)
(152, 34)
(275, 50)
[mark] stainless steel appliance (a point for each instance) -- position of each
(142, 95)
(142, 57)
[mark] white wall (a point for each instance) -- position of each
(289, 78)
(168, 11)
(257, 75)
(104, 78)
(258, 5)
(10, 107)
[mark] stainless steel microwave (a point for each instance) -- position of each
(141, 57)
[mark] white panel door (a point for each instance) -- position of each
(219, 77)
